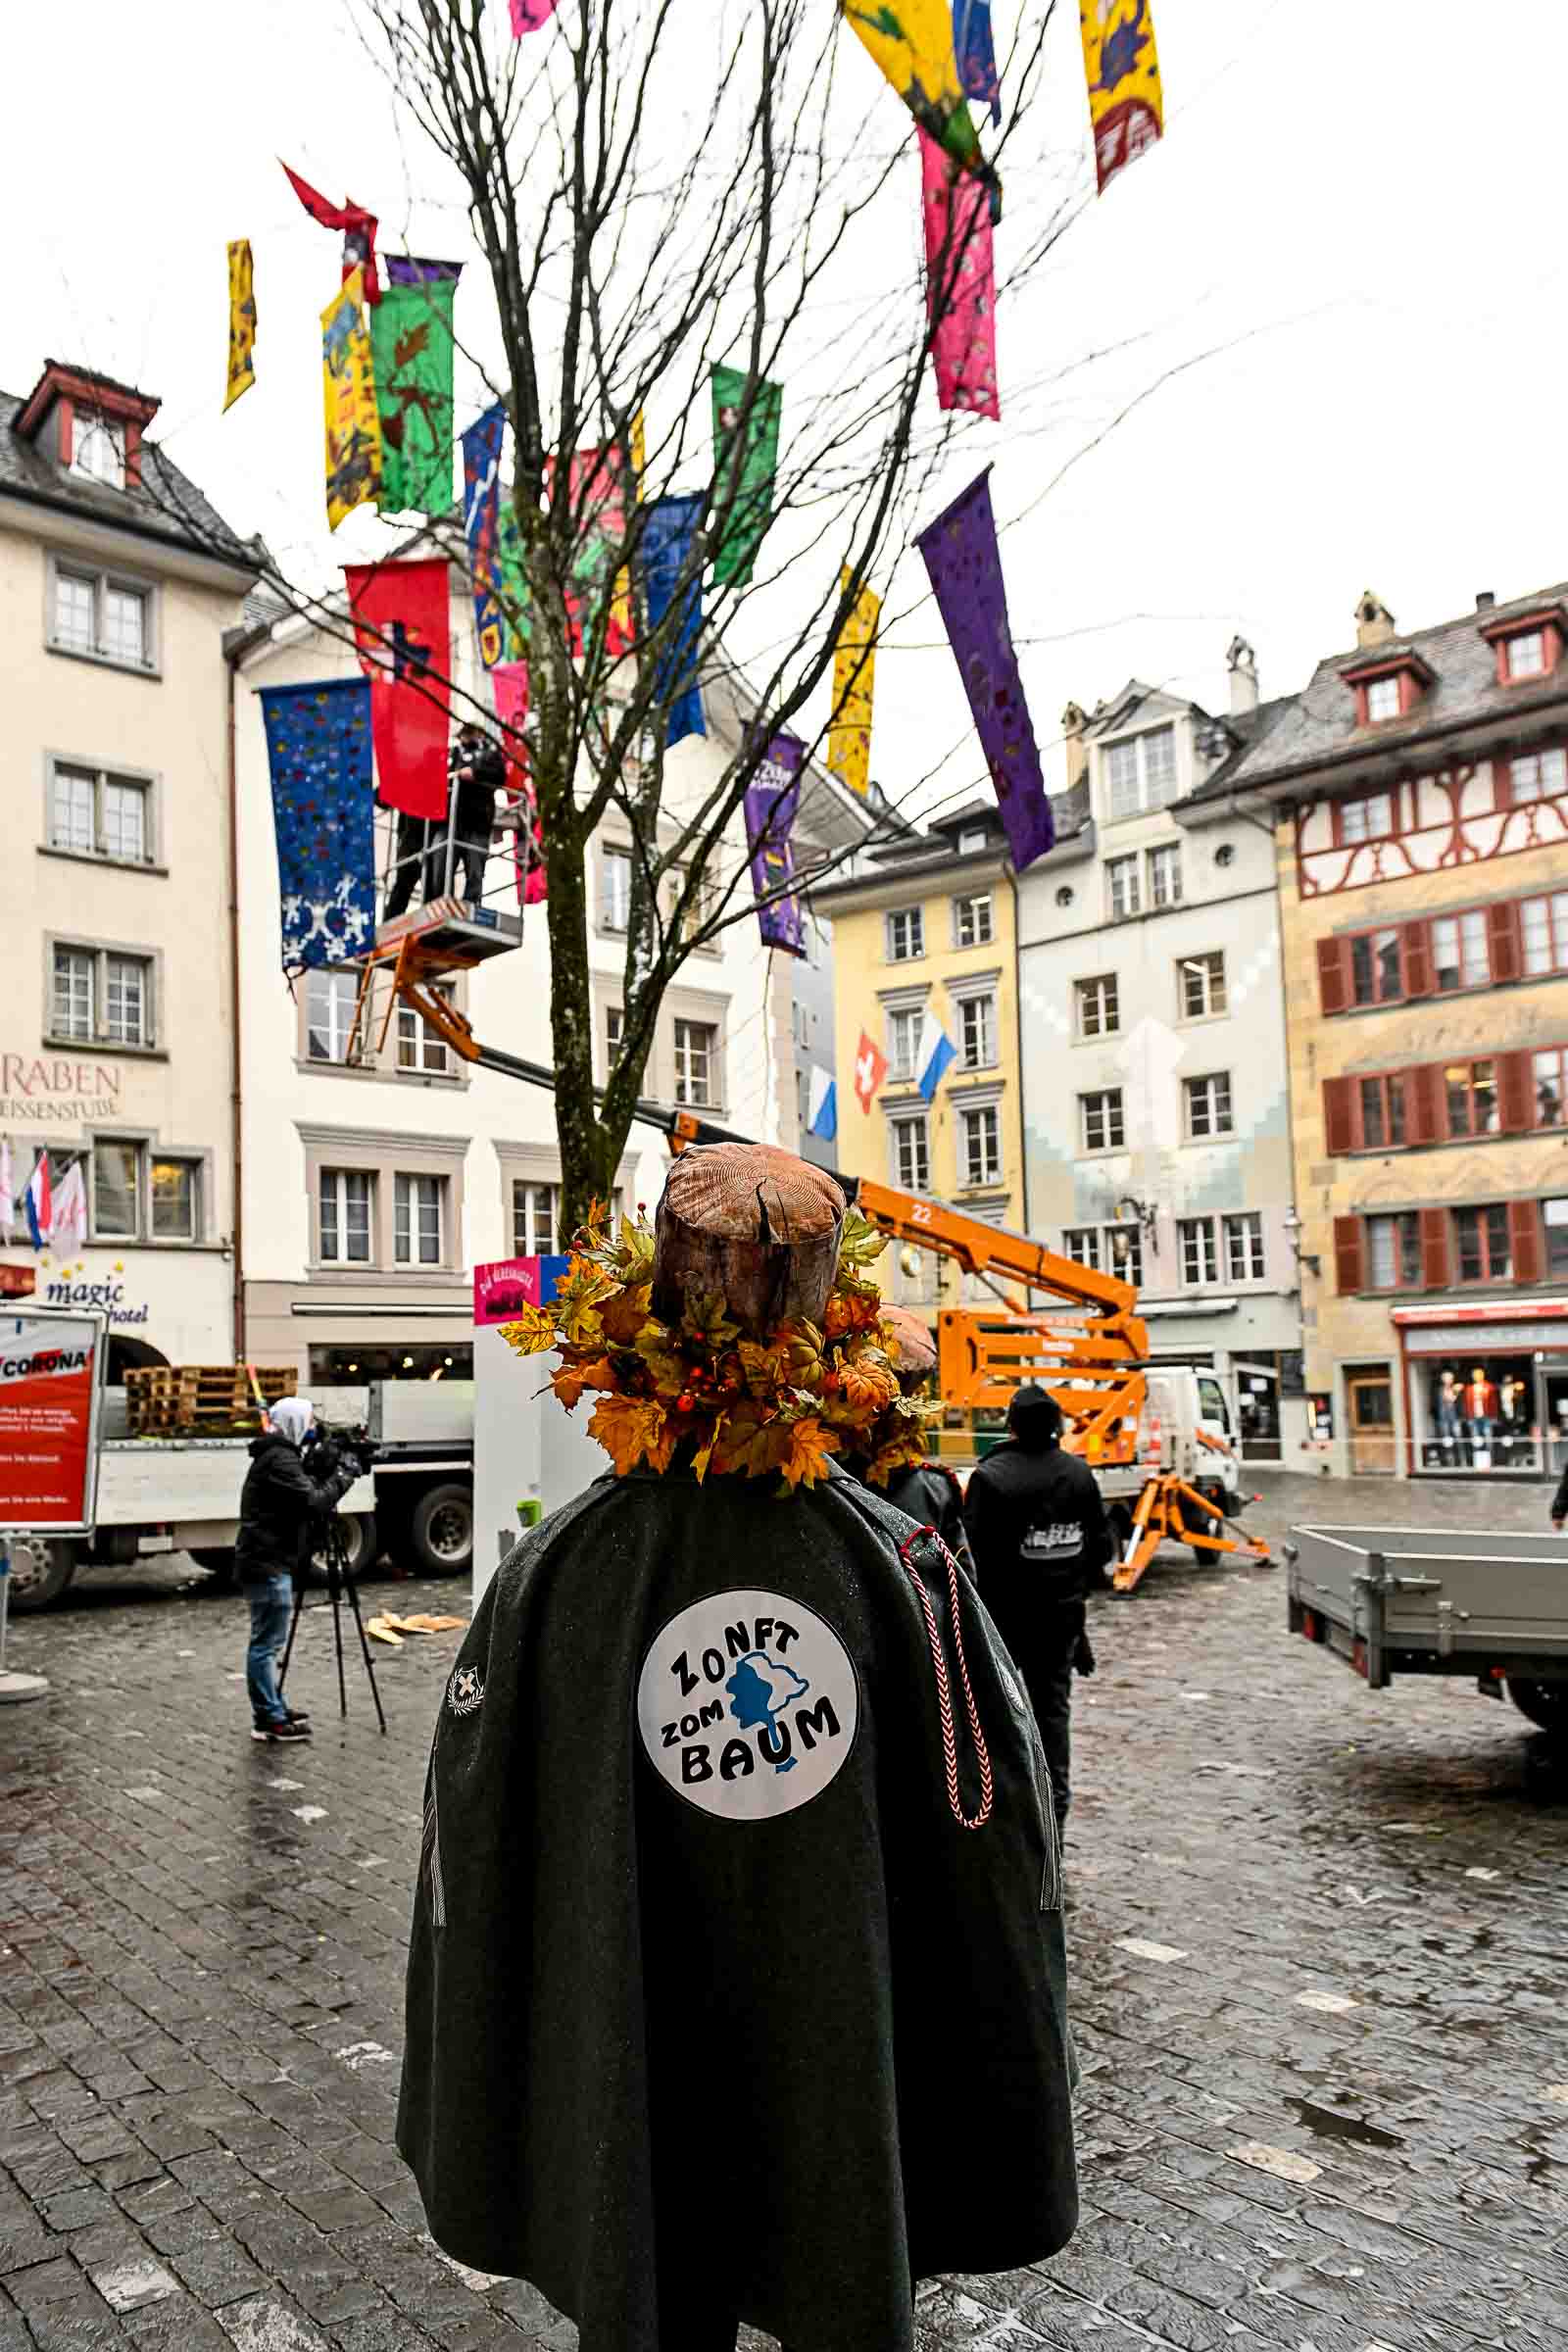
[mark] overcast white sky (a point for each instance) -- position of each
(1366, 190)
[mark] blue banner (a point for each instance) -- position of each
(319, 750)
(667, 534)
(481, 523)
(976, 55)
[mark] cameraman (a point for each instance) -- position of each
(281, 1499)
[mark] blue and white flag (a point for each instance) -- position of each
(936, 1050)
(822, 1108)
(38, 1202)
(319, 748)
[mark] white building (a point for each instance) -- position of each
(1157, 1105)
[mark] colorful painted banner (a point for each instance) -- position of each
(849, 730)
(411, 342)
(403, 633)
(51, 1386)
(1126, 103)
(324, 808)
(964, 566)
(960, 286)
(743, 477)
(528, 16)
(358, 226)
(771, 800)
(410, 269)
(510, 683)
(623, 620)
(348, 384)
(911, 42)
(976, 54)
(596, 519)
(667, 535)
(241, 320)
(495, 557)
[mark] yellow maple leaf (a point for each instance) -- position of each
(750, 1443)
(811, 1447)
(632, 1428)
(533, 1332)
(571, 1379)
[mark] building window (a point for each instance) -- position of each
(1165, 875)
(533, 1219)
(1536, 776)
(1121, 888)
(1200, 985)
(1555, 1217)
(1244, 1247)
(95, 613)
(1199, 1257)
(1383, 1123)
(978, 1020)
(906, 934)
(1551, 1075)
(416, 1220)
(982, 1146)
(175, 1207)
(98, 449)
(1394, 1251)
(911, 1152)
(75, 612)
(614, 1029)
(970, 839)
(1483, 1238)
(98, 815)
(1081, 1243)
(1100, 1115)
(1544, 924)
(1098, 1012)
(1527, 655)
(101, 997)
(345, 1198)
(1209, 1106)
(330, 1002)
(1459, 958)
(615, 889)
(1382, 702)
(1141, 773)
(1371, 817)
(696, 1054)
(904, 1037)
(971, 921)
(117, 1190)
(140, 1193)
(1376, 977)
(1470, 1088)
(420, 1048)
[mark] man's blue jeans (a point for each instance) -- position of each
(271, 1604)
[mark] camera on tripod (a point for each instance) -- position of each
(328, 1443)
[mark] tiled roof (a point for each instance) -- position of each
(165, 506)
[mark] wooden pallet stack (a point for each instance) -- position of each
(205, 1401)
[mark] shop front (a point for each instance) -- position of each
(1486, 1387)
(161, 1306)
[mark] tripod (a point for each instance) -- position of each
(333, 1552)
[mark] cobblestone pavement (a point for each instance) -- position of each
(1318, 1951)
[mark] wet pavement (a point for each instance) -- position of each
(1318, 1951)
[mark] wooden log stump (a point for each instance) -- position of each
(914, 1349)
(752, 1223)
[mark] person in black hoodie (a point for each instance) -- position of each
(280, 1499)
(478, 772)
(1038, 1530)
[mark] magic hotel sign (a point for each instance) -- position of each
(38, 1092)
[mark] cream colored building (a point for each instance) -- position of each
(117, 581)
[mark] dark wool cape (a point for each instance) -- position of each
(659, 2060)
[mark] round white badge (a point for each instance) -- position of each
(748, 1704)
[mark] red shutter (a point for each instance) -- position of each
(1339, 1116)
(1515, 1089)
(1524, 1238)
(1502, 941)
(1334, 974)
(1416, 958)
(1346, 1255)
(1422, 1101)
(1501, 784)
(1435, 1249)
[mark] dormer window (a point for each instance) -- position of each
(1387, 684)
(1141, 773)
(98, 449)
(1526, 656)
(972, 837)
(1527, 645)
(1381, 700)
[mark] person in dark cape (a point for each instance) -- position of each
(736, 1986)
(926, 1490)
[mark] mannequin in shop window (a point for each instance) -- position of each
(1480, 1402)
(1513, 1420)
(1449, 1418)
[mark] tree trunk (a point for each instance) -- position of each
(589, 1153)
(754, 1226)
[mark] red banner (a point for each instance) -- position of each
(402, 628)
(511, 682)
(49, 1378)
(502, 1289)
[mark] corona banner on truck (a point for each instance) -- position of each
(51, 1386)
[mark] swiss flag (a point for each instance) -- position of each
(403, 629)
(870, 1068)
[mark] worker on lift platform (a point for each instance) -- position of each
(475, 772)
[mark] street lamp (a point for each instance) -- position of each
(1129, 1209)
(1293, 1234)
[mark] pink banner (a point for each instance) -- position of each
(504, 1288)
(511, 682)
(528, 15)
(960, 286)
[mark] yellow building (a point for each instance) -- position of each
(923, 941)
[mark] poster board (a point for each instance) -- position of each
(53, 1363)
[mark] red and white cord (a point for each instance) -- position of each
(950, 1741)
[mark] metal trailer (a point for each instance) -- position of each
(1428, 1601)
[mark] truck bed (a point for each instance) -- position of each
(1426, 1600)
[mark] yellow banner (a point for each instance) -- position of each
(911, 42)
(241, 320)
(1126, 105)
(848, 733)
(621, 612)
(353, 423)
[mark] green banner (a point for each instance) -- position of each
(749, 484)
(411, 336)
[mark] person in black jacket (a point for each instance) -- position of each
(928, 1491)
(1559, 1502)
(1038, 1530)
(478, 772)
(279, 1500)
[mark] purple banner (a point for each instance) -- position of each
(771, 798)
(408, 269)
(965, 567)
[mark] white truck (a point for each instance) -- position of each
(181, 1493)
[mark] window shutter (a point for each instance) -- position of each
(1422, 1102)
(1515, 1091)
(1524, 1238)
(1334, 974)
(1501, 784)
(1346, 1255)
(1416, 958)
(1339, 1116)
(1435, 1249)
(1502, 941)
